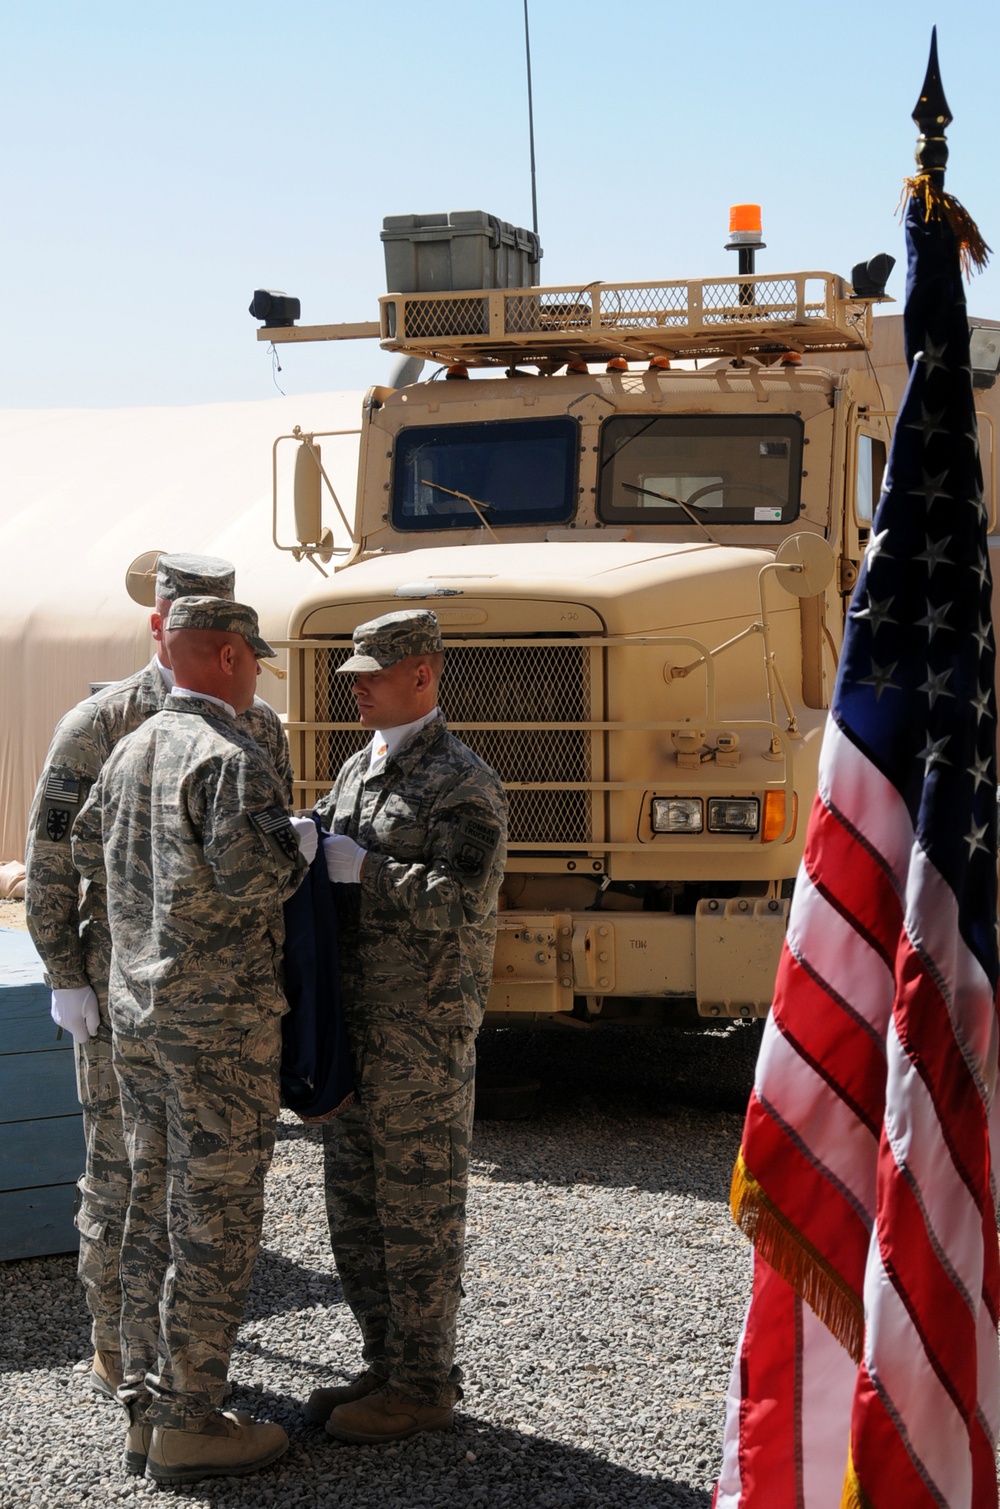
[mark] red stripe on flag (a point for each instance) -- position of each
(770, 1440)
(854, 879)
(887, 1475)
(827, 1037)
(939, 1314)
(925, 1031)
(817, 1209)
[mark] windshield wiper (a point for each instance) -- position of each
(690, 509)
(476, 507)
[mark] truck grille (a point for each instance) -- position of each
(503, 684)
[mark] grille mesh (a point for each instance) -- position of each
(501, 684)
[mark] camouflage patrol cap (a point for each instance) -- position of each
(221, 614)
(195, 576)
(381, 642)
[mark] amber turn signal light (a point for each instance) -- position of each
(774, 816)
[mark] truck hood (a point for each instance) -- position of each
(632, 586)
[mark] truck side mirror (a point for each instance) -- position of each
(307, 492)
(805, 564)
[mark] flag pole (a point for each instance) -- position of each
(933, 116)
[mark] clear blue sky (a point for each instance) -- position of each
(163, 158)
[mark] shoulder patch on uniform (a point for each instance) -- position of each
(273, 825)
(57, 823)
(473, 847)
(62, 788)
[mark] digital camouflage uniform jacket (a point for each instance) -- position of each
(419, 931)
(70, 932)
(188, 819)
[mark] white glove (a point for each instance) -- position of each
(77, 1012)
(344, 858)
(305, 832)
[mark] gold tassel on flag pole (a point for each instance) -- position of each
(973, 252)
(933, 116)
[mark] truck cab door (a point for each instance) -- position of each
(867, 456)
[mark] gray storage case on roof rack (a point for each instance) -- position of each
(449, 253)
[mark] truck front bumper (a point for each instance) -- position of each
(724, 957)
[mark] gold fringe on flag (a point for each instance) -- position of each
(318, 1121)
(973, 253)
(853, 1496)
(779, 1243)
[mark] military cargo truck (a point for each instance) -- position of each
(638, 510)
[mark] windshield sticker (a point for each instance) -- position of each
(767, 515)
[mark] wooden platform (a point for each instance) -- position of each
(41, 1128)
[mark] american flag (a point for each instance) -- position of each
(867, 1373)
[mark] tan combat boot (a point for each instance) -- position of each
(105, 1374)
(226, 1445)
(387, 1415)
(137, 1438)
(323, 1401)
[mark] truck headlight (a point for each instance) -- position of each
(677, 814)
(733, 814)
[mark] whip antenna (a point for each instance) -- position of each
(531, 122)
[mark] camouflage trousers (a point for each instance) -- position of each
(199, 1127)
(396, 1175)
(103, 1186)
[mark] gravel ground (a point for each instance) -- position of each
(605, 1287)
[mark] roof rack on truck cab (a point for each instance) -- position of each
(763, 316)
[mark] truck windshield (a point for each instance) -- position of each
(731, 469)
(515, 471)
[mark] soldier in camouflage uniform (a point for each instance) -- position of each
(71, 932)
(187, 824)
(418, 833)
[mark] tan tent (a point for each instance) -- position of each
(82, 493)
